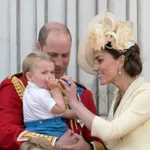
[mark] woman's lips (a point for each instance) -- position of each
(99, 75)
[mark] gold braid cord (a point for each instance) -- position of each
(72, 121)
(18, 86)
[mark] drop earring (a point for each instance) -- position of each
(119, 72)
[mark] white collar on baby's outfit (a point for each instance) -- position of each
(31, 84)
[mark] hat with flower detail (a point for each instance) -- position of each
(103, 29)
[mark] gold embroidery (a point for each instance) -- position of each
(99, 146)
(25, 135)
(18, 86)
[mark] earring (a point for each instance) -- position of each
(119, 72)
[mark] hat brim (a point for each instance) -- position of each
(85, 56)
(85, 52)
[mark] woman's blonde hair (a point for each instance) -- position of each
(37, 143)
(29, 61)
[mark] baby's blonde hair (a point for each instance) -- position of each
(29, 61)
(37, 143)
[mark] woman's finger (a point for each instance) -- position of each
(64, 84)
(67, 78)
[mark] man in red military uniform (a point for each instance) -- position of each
(54, 39)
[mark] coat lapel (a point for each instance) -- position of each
(112, 109)
(126, 97)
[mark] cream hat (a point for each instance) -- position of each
(104, 28)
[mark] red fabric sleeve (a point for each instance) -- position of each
(11, 116)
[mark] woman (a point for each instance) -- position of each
(110, 50)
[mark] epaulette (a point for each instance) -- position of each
(16, 74)
(18, 84)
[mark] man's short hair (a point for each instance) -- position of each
(58, 29)
(30, 60)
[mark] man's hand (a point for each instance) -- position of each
(66, 139)
(80, 145)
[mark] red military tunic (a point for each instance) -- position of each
(11, 114)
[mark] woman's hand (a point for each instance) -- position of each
(70, 87)
(82, 112)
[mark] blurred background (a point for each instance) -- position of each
(20, 21)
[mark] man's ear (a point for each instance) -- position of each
(38, 47)
(29, 76)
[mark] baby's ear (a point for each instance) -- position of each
(28, 76)
(38, 47)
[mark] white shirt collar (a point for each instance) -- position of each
(33, 85)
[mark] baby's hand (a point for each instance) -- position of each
(52, 83)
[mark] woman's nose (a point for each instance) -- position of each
(95, 67)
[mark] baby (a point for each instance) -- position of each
(43, 102)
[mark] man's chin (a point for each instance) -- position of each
(58, 75)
